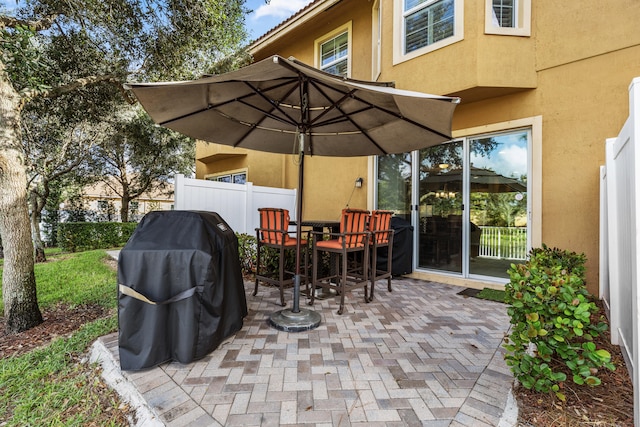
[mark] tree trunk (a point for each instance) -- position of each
(124, 209)
(36, 217)
(21, 310)
(37, 240)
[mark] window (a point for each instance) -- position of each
(426, 23)
(333, 55)
(235, 177)
(422, 26)
(508, 17)
(332, 51)
(503, 13)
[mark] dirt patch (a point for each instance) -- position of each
(61, 320)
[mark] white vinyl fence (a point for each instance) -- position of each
(619, 238)
(237, 204)
(503, 242)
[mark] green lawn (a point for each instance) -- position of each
(48, 386)
(78, 278)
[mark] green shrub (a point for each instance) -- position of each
(551, 313)
(81, 236)
(248, 249)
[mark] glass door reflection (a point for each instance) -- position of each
(440, 207)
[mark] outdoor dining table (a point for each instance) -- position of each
(320, 225)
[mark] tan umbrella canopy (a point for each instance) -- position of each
(481, 180)
(284, 106)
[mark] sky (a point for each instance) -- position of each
(265, 15)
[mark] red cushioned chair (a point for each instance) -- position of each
(274, 233)
(352, 241)
(381, 237)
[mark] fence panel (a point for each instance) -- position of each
(622, 202)
(237, 204)
(503, 242)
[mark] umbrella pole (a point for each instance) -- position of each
(297, 277)
(296, 319)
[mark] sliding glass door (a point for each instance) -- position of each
(467, 201)
(440, 203)
(498, 202)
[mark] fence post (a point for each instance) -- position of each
(248, 215)
(634, 118)
(178, 192)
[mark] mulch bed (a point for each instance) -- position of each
(609, 404)
(60, 320)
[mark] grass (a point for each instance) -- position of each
(48, 386)
(491, 294)
(79, 278)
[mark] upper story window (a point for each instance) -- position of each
(508, 17)
(333, 53)
(504, 13)
(422, 26)
(426, 22)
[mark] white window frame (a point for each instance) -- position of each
(228, 174)
(331, 35)
(399, 36)
(376, 40)
(522, 10)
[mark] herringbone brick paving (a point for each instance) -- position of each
(419, 356)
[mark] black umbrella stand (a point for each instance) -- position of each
(296, 319)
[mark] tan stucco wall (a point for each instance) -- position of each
(573, 72)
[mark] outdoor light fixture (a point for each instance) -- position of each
(359, 182)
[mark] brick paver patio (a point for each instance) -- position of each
(419, 356)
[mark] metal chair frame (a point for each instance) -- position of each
(352, 239)
(274, 233)
(381, 236)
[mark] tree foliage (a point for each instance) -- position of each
(79, 53)
(141, 157)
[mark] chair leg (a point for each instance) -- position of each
(306, 268)
(374, 272)
(389, 266)
(281, 276)
(255, 291)
(343, 280)
(365, 271)
(314, 273)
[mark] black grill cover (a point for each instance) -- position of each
(180, 290)
(402, 251)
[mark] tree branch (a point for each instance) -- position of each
(77, 84)
(37, 25)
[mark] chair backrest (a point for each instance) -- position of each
(274, 222)
(380, 225)
(354, 221)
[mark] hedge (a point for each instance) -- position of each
(82, 236)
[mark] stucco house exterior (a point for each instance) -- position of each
(542, 84)
(102, 200)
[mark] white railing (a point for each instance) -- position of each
(503, 242)
(237, 204)
(620, 240)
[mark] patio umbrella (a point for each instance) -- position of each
(480, 180)
(284, 106)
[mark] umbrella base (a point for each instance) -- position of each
(288, 321)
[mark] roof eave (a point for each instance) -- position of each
(284, 28)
